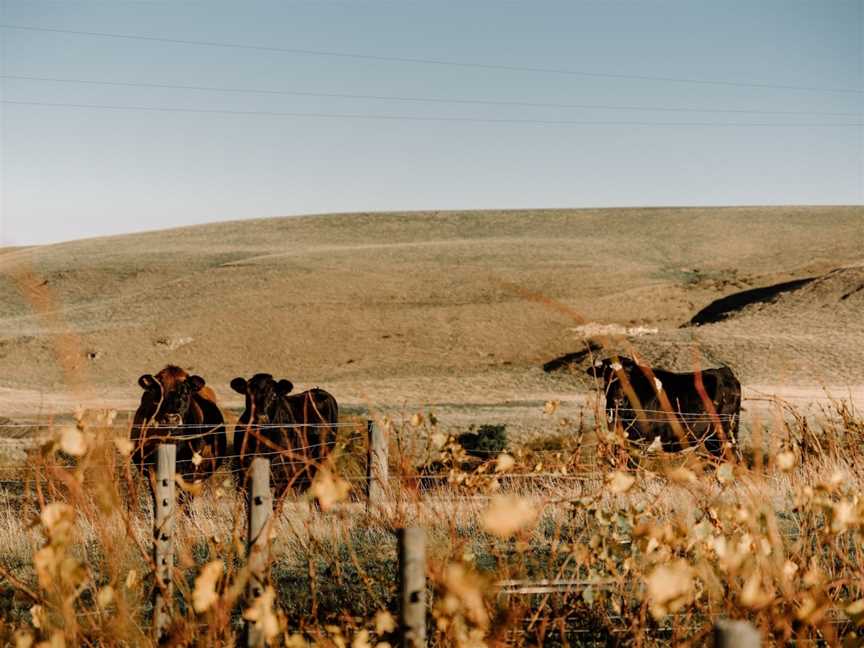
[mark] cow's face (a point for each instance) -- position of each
(262, 394)
(609, 369)
(177, 402)
(174, 405)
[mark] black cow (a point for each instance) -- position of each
(296, 431)
(635, 397)
(179, 408)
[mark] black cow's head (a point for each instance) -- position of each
(262, 394)
(608, 369)
(173, 404)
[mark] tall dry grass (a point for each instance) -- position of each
(564, 543)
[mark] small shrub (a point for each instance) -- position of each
(487, 442)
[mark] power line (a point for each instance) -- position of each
(416, 118)
(437, 100)
(428, 61)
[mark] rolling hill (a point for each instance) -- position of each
(411, 308)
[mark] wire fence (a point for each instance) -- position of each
(146, 435)
(186, 426)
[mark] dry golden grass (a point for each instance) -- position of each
(643, 556)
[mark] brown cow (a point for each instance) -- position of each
(179, 408)
(296, 431)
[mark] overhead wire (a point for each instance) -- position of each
(415, 99)
(432, 61)
(420, 118)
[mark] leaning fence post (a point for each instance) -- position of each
(412, 587)
(735, 634)
(257, 543)
(163, 537)
(376, 466)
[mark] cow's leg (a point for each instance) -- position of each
(669, 439)
(714, 443)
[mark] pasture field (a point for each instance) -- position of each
(434, 324)
(422, 309)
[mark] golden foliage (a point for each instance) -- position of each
(384, 622)
(670, 587)
(328, 489)
(508, 514)
(205, 593)
(262, 615)
(684, 541)
(620, 482)
(504, 463)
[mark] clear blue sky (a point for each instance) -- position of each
(71, 171)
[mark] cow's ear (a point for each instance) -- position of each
(147, 382)
(284, 387)
(239, 385)
(597, 369)
(196, 382)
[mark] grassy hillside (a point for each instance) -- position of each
(419, 307)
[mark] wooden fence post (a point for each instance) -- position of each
(412, 587)
(735, 634)
(258, 540)
(163, 537)
(376, 466)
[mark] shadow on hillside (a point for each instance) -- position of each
(571, 359)
(725, 307)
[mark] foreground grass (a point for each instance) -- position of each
(589, 550)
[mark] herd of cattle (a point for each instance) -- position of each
(297, 431)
